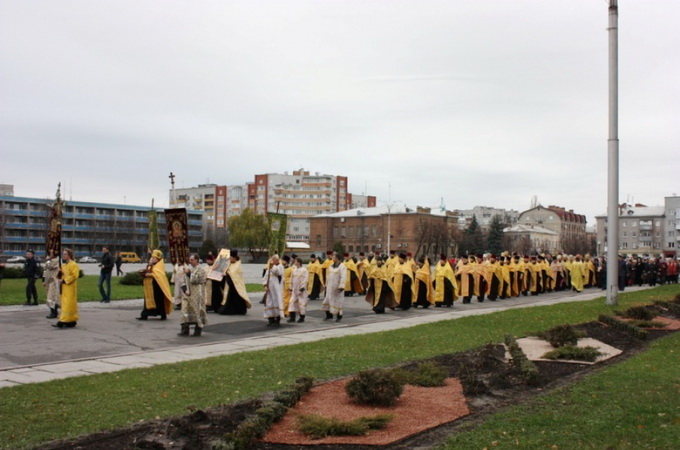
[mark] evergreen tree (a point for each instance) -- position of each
(473, 238)
(494, 240)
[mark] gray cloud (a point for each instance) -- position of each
(476, 102)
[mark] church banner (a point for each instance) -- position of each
(53, 243)
(154, 240)
(176, 222)
(278, 224)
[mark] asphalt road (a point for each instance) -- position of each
(111, 329)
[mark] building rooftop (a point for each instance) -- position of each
(639, 211)
(528, 229)
(383, 210)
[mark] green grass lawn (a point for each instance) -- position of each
(645, 388)
(13, 291)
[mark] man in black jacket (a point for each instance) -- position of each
(105, 275)
(32, 272)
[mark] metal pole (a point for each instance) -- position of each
(613, 161)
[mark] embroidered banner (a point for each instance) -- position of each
(176, 222)
(278, 224)
(53, 243)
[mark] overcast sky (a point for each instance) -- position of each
(476, 102)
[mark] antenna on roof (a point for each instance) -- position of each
(534, 202)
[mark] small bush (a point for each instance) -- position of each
(562, 335)
(647, 323)
(672, 308)
(521, 362)
(13, 272)
(428, 374)
(135, 279)
(574, 353)
(317, 427)
(637, 313)
(375, 387)
(623, 326)
(132, 279)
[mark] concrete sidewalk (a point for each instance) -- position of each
(224, 335)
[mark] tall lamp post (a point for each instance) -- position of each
(613, 161)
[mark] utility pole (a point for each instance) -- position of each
(613, 160)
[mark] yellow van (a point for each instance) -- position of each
(130, 257)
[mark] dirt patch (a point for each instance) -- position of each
(417, 408)
(488, 382)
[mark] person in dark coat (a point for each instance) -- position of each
(32, 273)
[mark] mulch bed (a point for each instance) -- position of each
(488, 382)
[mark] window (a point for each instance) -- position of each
(625, 234)
(624, 223)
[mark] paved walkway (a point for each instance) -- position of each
(358, 319)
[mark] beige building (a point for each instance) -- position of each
(530, 239)
(570, 227)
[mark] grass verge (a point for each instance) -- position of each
(35, 413)
(631, 405)
(13, 290)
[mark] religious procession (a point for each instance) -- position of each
(393, 281)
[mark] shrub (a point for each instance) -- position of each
(637, 312)
(623, 326)
(256, 426)
(521, 362)
(13, 272)
(647, 323)
(317, 427)
(428, 374)
(562, 335)
(136, 279)
(132, 279)
(672, 308)
(574, 353)
(375, 387)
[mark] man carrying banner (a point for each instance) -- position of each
(157, 295)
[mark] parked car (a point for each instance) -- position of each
(16, 260)
(87, 259)
(130, 257)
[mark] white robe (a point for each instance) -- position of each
(298, 294)
(334, 299)
(273, 282)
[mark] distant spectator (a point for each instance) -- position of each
(105, 274)
(119, 262)
(32, 273)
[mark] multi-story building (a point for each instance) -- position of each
(300, 195)
(641, 230)
(672, 228)
(484, 215)
(86, 227)
(571, 227)
(419, 231)
(201, 198)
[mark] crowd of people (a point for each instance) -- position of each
(394, 281)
